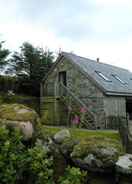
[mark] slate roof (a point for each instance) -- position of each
(112, 87)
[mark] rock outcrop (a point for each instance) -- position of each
(19, 116)
(96, 154)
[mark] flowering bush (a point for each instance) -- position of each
(78, 116)
(83, 110)
(76, 120)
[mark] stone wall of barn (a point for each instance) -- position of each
(79, 85)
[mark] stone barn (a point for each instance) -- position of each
(99, 94)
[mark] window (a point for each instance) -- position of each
(118, 78)
(103, 76)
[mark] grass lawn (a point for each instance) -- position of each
(82, 133)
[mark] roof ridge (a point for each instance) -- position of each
(87, 59)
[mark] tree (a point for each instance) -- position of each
(31, 64)
(3, 55)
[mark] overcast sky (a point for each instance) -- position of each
(90, 28)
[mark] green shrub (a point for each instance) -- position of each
(40, 165)
(73, 176)
(12, 154)
(23, 164)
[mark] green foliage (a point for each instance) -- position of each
(12, 153)
(20, 163)
(73, 176)
(41, 165)
(30, 66)
(8, 83)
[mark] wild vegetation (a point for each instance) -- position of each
(25, 68)
(19, 163)
(52, 155)
(31, 163)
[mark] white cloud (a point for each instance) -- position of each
(114, 2)
(96, 28)
(116, 54)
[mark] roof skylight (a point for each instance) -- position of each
(103, 76)
(118, 78)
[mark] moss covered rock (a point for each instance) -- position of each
(19, 116)
(97, 153)
(17, 112)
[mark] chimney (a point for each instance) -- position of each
(60, 51)
(97, 60)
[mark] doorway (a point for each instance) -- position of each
(129, 108)
(63, 81)
(62, 78)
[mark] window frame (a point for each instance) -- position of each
(118, 79)
(105, 78)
